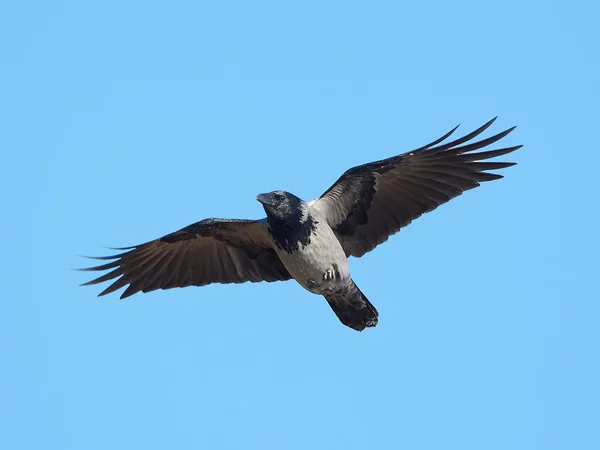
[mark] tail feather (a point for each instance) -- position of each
(352, 307)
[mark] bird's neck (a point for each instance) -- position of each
(291, 230)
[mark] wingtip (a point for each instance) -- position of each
(125, 294)
(488, 124)
(437, 141)
(101, 258)
(107, 291)
(123, 248)
(98, 258)
(85, 269)
(485, 125)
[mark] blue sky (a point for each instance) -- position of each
(124, 121)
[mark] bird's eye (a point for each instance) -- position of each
(279, 197)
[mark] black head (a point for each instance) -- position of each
(280, 204)
(289, 222)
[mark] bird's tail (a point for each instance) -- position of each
(352, 307)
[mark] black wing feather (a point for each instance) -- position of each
(369, 203)
(209, 251)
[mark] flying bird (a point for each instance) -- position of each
(311, 241)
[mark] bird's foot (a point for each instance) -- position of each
(329, 275)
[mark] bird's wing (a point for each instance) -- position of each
(369, 203)
(210, 251)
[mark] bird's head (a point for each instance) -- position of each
(279, 203)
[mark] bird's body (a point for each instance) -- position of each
(305, 261)
(311, 241)
(312, 254)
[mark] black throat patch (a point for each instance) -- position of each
(290, 231)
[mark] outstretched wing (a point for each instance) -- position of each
(369, 203)
(210, 251)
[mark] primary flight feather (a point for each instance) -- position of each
(310, 241)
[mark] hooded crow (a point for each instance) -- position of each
(311, 241)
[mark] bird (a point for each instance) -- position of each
(311, 241)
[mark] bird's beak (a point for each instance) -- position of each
(265, 199)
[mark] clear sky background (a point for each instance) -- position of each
(124, 121)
